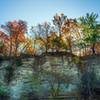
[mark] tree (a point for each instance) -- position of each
(91, 29)
(28, 47)
(16, 30)
(67, 29)
(42, 33)
(58, 21)
(58, 43)
(70, 30)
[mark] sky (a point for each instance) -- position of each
(39, 11)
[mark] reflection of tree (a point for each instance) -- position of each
(88, 81)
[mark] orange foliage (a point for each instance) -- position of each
(21, 37)
(18, 28)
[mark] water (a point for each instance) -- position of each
(50, 72)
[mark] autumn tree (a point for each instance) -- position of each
(16, 31)
(66, 30)
(70, 31)
(28, 47)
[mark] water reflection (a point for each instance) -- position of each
(46, 76)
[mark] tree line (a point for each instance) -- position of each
(79, 36)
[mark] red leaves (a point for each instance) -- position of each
(17, 29)
(3, 36)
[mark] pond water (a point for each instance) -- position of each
(41, 77)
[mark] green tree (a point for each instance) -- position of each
(90, 29)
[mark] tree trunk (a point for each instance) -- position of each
(46, 49)
(69, 44)
(93, 48)
(16, 44)
(10, 50)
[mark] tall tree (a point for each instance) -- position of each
(70, 29)
(91, 29)
(16, 30)
(42, 33)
